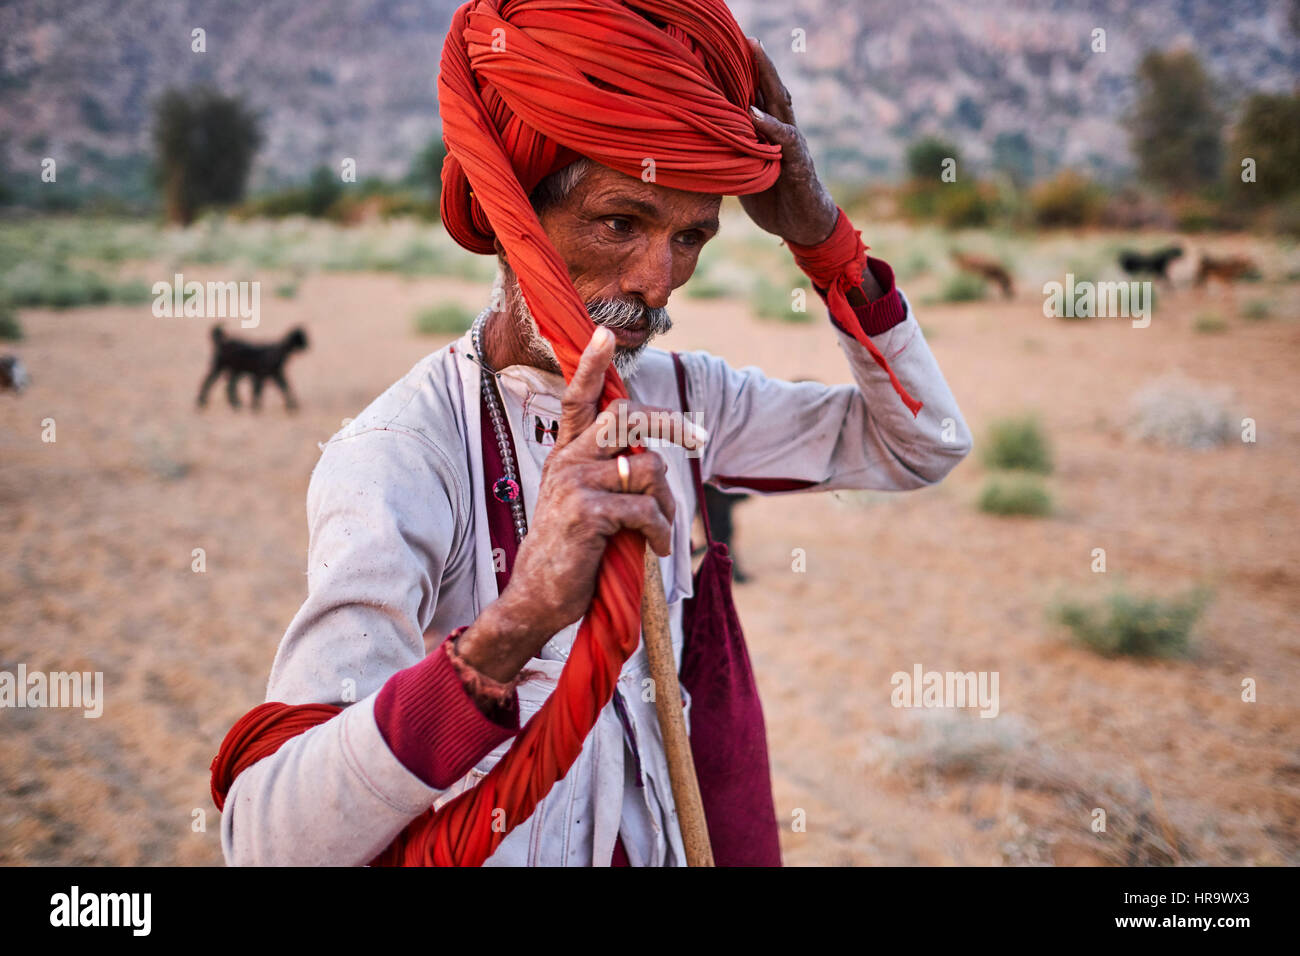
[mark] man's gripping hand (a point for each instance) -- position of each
(580, 504)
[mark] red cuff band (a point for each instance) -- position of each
(877, 316)
(882, 314)
(433, 726)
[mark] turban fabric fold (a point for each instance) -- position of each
(526, 88)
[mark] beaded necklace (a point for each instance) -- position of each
(506, 488)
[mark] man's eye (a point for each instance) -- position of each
(619, 224)
(691, 239)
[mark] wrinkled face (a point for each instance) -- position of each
(628, 244)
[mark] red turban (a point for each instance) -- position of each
(526, 88)
(529, 86)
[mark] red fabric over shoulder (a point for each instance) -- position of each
(259, 733)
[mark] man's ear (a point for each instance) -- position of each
(501, 250)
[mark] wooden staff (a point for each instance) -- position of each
(672, 722)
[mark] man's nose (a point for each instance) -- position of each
(649, 275)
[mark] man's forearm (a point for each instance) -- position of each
(501, 641)
(868, 292)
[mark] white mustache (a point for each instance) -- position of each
(611, 313)
(625, 314)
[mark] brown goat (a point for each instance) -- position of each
(986, 269)
(1227, 269)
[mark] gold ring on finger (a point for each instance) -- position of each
(624, 473)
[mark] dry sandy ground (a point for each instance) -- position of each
(98, 529)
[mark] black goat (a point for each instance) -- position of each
(236, 358)
(1153, 263)
(13, 374)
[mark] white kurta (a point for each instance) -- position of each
(400, 556)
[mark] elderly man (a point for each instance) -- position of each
(459, 524)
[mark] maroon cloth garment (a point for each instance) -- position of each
(728, 736)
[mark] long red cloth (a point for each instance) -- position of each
(526, 87)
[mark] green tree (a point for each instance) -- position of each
(426, 169)
(1269, 133)
(204, 144)
(1174, 129)
(925, 158)
(323, 190)
(930, 193)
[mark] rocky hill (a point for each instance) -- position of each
(1011, 81)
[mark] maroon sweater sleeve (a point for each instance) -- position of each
(432, 724)
(882, 314)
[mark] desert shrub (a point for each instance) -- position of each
(323, 190)
(1136, 626)
(132, 292)
(286, 290)
(1208, 322)
(462, 265)
(772, 301)
(11, 329)
(918, 199)
(416, 257)
(1066, 200)
(449, 318)
(1178, 412)
(316, 199)
(706, 289)
(349, 257)
(280, 204)
(963, 287)
(1202, 214)
(1015, 494)
(1017, 443)
(1257, 310)
(379, 201)
(707, 284)
(55, 286)
(396, 204)
(964, 205)
(916, 264)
